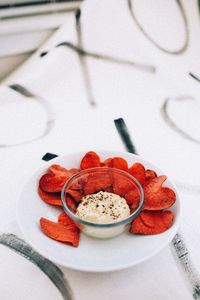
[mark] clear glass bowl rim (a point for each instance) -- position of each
(132, 216)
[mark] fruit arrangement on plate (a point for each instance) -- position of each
(154, 216)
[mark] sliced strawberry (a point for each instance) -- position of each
(150, 174)
(70, 203)
(156, 196)
(58, 170)
(79, 182)
(107, 162)
(118, 163)
(137, 170)
(152, 222)
(90, 160)
(133, 198)
(64, 219)
(53, 183)
(50, 198)
(60, 232)
(97, 182)
(121, 185)
(77, 195)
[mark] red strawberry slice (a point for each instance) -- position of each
(90, 160)
(156, 196)
(50, 198)
(152, 222)
(60, 232)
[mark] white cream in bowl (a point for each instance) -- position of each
(103, 208)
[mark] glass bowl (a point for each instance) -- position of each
(94, 179)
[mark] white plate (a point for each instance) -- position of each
(92, 255)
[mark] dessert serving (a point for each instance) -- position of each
(104, 198)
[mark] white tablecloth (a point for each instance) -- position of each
(119, 91)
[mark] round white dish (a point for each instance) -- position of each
(92, 255)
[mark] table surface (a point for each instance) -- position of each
(118, 90)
